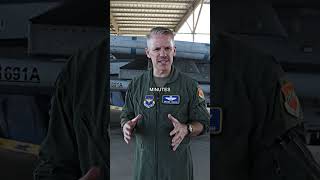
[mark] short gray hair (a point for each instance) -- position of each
(160, 30)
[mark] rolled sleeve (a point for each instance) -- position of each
(198, 111)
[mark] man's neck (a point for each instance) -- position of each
(161, 74)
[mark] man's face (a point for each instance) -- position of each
(161, 52)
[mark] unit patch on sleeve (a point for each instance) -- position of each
(200, 92)
(291, 102)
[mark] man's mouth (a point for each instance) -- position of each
(163, 61)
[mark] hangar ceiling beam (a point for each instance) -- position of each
(187, 14)
(114, 24)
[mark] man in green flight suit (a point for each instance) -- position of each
(163, 108)
(77, 142)
(258, 132)
(261, 136)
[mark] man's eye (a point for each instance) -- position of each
(157, 49)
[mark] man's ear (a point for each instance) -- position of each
(147, 52)
(174, 51)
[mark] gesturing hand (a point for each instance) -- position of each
(128, 128)
(180, 131)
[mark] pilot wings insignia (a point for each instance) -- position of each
(171, 99)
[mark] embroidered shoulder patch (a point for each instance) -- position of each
(149, 101)
(291, 102)
(200, 92)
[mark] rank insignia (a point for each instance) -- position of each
(215, 120)
(291, 102)
(149, 101)
(170, 99)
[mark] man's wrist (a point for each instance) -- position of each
(189, 129)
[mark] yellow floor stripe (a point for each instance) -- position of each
(115, 108)
(19, 146)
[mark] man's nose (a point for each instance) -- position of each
(163, 52)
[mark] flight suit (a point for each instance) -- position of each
(261, 132)
(154, 158)
(77, 137)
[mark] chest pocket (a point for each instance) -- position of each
(178, 110)
(146, 105)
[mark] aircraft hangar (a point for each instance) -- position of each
(37, 37)
(130, 21)
(137, 17)
(36, 40)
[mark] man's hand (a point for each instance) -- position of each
(92, 174)
(128, 128)
(180, 131)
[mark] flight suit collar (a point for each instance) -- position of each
(174, 74)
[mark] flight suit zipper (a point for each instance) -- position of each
(156, 136)
(313, 165)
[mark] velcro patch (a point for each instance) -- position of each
(149, 101)
(291, 102)
(216, 120)
(170, 99)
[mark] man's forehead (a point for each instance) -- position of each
(161, 39)
(157, 35)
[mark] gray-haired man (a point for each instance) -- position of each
(163, 108)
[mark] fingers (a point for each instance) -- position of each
(176, 138)
(180, 131)
(128, 128)
(92, 174)
(136, 119)
(173, 120)
(126, 139)
(175, 147)
(174, 131)
(127, 133)
(126, 136)
(177, 143)
(175, 123)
